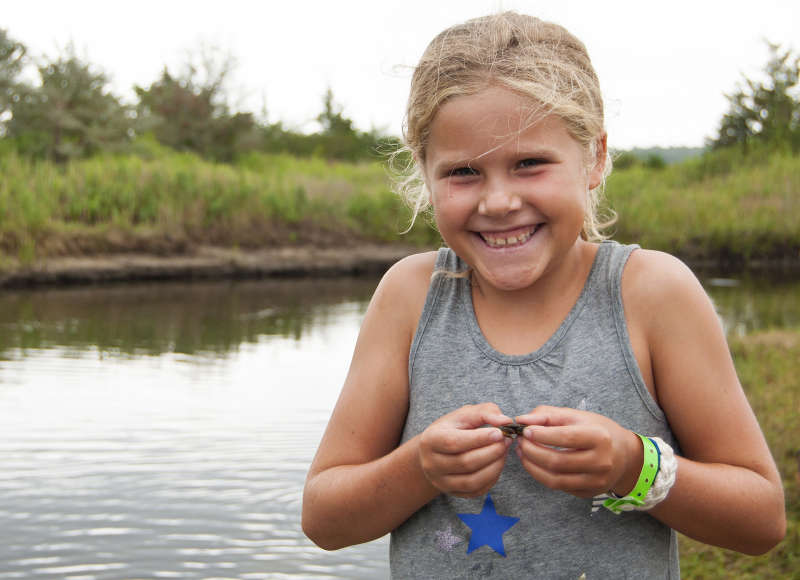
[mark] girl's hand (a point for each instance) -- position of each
(581, 453)
(460, 458)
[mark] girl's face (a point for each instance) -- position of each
(508, 195)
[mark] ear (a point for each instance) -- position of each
(598, 169)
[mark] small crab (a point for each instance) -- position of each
(512, 430)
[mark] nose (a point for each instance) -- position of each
(498, 203)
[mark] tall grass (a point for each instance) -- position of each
(729, 205)
(263, 200)
(722, 206)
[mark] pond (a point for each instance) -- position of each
(164, 430)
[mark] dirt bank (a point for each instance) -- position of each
(210, 262)
(206, 262)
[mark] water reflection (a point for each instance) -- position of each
(164, 431)
(221, 317)
(180, 456)
(188, 318)
(748, 303)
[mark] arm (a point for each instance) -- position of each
(361, 484)
(728, 491)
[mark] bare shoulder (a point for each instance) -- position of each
(402, 290)
(657, 286)
(655, 275)
(412, 270)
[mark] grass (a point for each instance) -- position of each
(713, 207)
(174, 200)
(725, 206)
(768, 364)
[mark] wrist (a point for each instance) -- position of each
(418, 466)
(656, 478)
(634, 460)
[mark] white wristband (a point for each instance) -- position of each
(666, 476)
(664, 480)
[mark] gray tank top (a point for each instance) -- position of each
(522, 529)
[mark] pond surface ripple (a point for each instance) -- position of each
(119, 464)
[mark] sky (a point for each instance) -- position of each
(664, 67)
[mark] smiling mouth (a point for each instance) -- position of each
(508, 239)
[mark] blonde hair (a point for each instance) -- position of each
(536, 59)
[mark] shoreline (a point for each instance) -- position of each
(207, 262)
(303, 261)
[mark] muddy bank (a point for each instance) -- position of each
(206, 263)
(215, 262)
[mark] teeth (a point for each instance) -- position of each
(497, 242)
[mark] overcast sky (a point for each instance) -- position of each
(663, 66)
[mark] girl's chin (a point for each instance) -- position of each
(507, 279)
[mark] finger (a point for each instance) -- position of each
(457, 441)
(581, 484)
(546, 415)
(474, 416)
(560, 460)
(473, 460)
(473, 484)
(571, 437)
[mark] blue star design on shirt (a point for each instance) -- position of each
(487, 527)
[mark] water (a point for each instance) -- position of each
(164, 431)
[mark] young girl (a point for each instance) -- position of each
(610, 357)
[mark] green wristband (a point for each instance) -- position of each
(643, 484)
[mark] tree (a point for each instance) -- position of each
(765, 111)
(331, 119)
(339, 139)
(69, 114)
(189, 112)
(12, 59)
(176, 112)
